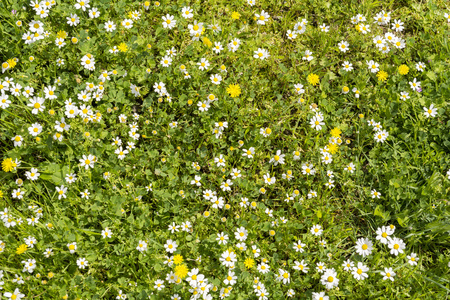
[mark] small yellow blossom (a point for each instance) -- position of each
(181, 271)
(11, 62)
(313, 79)
(332, 148)
(336, 132)
(123, 47)
(177, 259)
(249, 262)
(207, 42)
(7, 165)
(234, 90)
(235, 15)
(382, 75)
(61, 34)
(403, 69)
(22, 248)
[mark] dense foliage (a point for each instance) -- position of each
(224, 149)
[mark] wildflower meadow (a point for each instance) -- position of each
(240, 149)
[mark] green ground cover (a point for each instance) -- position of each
(224, 149)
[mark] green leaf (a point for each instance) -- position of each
(431, 75)
(319, 214)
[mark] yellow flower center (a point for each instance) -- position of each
(364, 247)
(330, 279)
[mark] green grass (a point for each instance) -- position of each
(409, 169)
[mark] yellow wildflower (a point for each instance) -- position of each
(22, 248)
(177, 259)
(123, 47)
(336, 132)
(181, 271)
(332, 148)
(249, 262)
(234, 90)
(382, 75)
(207, 42)
(235, 15)
(61, 34)
(11, 62)
(313, 79)
(403, 69)
(7, 165)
